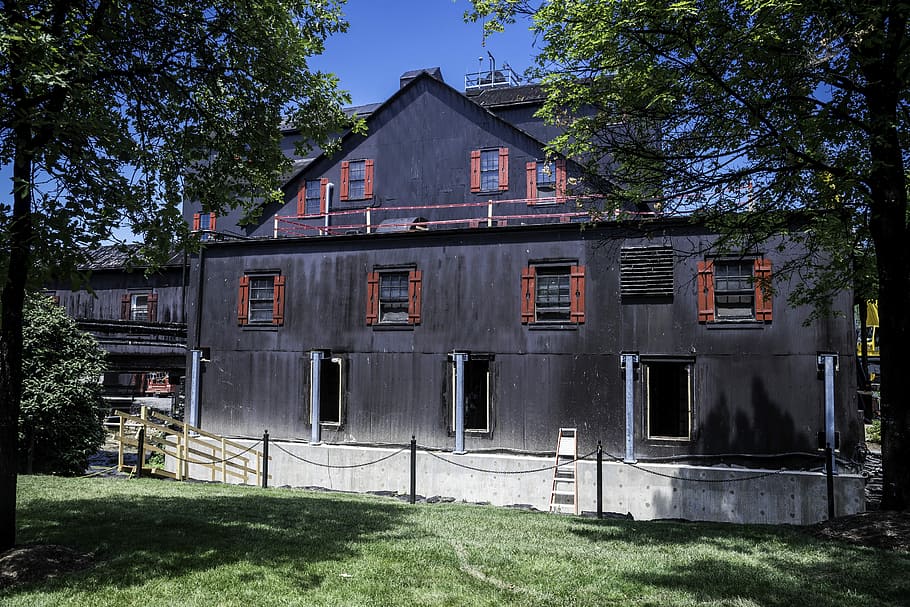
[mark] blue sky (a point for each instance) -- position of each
(389, 37)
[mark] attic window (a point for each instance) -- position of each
(646, 272)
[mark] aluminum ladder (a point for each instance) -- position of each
(564, 494)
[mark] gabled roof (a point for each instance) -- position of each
(519, 97)
(120, 256)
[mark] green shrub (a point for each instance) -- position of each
(60, 418)
(874, 431)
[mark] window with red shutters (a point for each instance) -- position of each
(357, 177)
(490, 170)
(553, 293)
(260, 299)
(731, 290)
(394, 297)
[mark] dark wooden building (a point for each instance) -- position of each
(446, 239)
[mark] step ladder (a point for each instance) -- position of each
(564, 494)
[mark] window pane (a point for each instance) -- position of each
(356, 173)
(489, 170)
(313, 191)
(546, 174)
(553, 294)
(139, 307)
(734, 293)
(262, 293)
(393, 297)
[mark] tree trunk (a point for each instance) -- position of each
(12, 300)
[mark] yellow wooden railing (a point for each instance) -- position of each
(186, 449)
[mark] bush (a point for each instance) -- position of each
(874, 431)
(60, 418)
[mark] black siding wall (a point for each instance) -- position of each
(756, 389)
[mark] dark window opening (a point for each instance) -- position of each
(476, 395)
(330, 391)
(668, 392)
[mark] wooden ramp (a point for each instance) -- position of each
(183, 445)
(564, 494)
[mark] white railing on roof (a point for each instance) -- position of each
(501, 76)
(492, 213)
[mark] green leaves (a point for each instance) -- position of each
(59, 423)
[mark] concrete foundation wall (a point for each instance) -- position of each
(646, 491)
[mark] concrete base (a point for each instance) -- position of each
(646, 491)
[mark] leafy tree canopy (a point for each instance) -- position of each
(113, 113)
(738, 112)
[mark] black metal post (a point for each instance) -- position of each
(265, 459)
(140, 453)
(829, 473)
(413, 469)
(600, 480)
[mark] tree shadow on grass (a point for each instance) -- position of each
(757, 565)
(138, 536)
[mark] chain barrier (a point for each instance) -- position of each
(475, 469)
(694, 480)
(219, 461)
(339, 466)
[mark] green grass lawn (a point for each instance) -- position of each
(163, 543)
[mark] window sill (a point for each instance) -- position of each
(560, 326)
(667, 440)
(720, 325)
(393, 327)
(260, 327)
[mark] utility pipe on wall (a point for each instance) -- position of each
(628, 362)
(828, 364)
(315, 394)
(460, 358)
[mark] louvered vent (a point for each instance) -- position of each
(646, 272)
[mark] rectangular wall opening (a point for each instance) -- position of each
(668, 397)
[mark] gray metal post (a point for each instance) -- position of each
(460, 358)
(192, 412)
(315, 394)
(628, 363)
(828, 363)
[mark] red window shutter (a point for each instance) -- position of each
(763, 297)
(415, 288)
(528, 293)
(125, 306)
(560, 180)
(372, 298)
(503, 168)
(278, 302)
(323, 193)
(531, 172)
(577, 294)
(212, 222)
(197, 221)
(153, 307)
(475, 170)
(367, 178)
(345, 176)
(301, 198)
(243, 301)
(705, 287)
